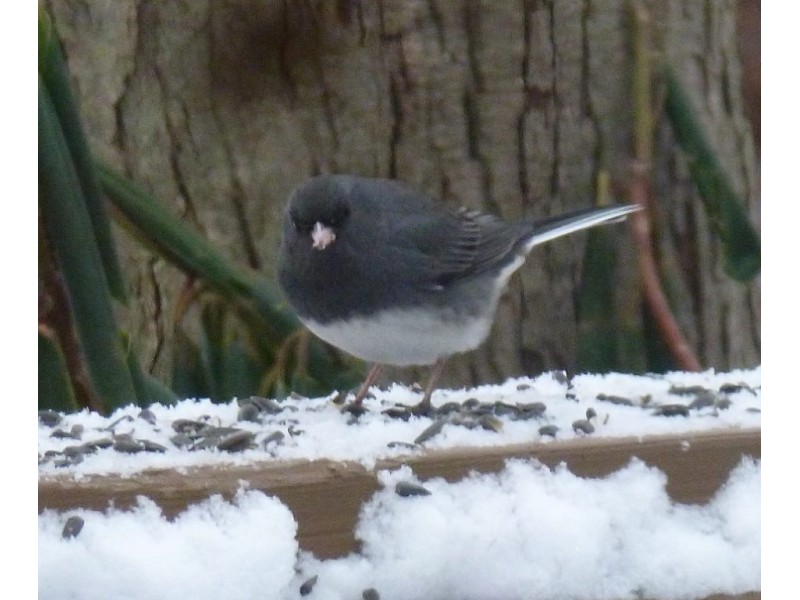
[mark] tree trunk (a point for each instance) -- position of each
(220, 107)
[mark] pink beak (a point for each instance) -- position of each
(322, 236)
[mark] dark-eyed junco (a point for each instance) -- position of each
(391, 276)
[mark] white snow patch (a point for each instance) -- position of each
(212, 550)
(524, 532)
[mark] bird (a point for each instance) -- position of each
(392, 276)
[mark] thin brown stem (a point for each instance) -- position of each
(648, 271)
(55, 322)
(641, 194)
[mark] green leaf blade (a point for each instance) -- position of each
(725, 209)
(71, 234)
(53, 72)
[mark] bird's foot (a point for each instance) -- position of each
(354, 408)
(423, 409)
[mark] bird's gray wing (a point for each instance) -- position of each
(464, 243)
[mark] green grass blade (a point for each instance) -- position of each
(53, 72)
(55, 388)
(71, 235)
(242, 372)
(149, 390)
(189, 377)
(191, 252)
(725, 209)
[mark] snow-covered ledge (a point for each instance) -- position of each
(471, 503)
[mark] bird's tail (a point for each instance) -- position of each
(551, 228)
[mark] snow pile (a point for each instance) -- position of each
(211, 550)
(526, 532)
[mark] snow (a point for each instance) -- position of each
(212, 550)
(526, 531)
(328, 433)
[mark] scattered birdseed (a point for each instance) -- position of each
(72, 527)
(409, 488)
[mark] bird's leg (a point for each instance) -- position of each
(424, 407)
(372, 376)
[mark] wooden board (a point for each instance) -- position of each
(325, 496)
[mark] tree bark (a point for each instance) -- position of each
(220, 107)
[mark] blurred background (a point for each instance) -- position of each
(200, 117)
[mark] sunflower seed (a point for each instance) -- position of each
(397, 412)
(147, 415)
(409, 488)
(703, 399)
(430, 431)
(617, 400)
(276, 437)
(72, 527)
(127, 445)
(249, 412)
(149, 446)
(672, 410)
(308, 585)
(49, 418)
(549, 430)
(236, 441)
(404, 445)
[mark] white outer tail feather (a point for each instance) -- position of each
(569, 225)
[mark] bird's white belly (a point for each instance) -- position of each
(404, 337)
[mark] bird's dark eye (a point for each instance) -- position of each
(301, 227)
(339, 216)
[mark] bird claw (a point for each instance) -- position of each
(423, 409)
(354, 408)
